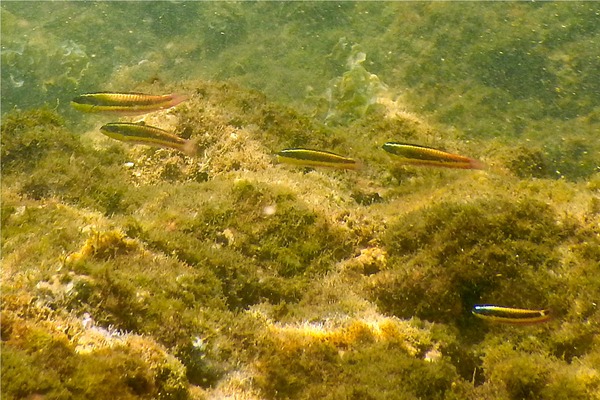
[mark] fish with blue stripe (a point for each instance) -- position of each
(509, 315)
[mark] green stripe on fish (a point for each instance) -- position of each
(427, 156)
(140, 133)
(125, 103)
(316, 158)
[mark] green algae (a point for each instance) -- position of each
(374, 359)
(49, 161)
(522, 374)
(29, 137)
(185, 261)
(231, 234)
(40, 360)
(490, 249)
(152, 275)
(352, 95)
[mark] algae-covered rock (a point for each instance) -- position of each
(139, 272)
(373, 359)
(28, 137)
(260, 240)
(525, 373)
(44, 159)
(453, 255)
(62, 358)
(572, 158)
(241, 277)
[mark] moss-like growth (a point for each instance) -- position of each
(276, 126)
(38, 359)
(139, 270)
(46, 160)
(530, 163)
(450, 256)
(103, 245)
(362, 359)
(518, 374)
(572, 159)
(259, 254)
(28, 137)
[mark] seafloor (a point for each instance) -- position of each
(131, 272)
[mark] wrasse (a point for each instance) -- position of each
(140, 133)
(316, 158)
(426, 156)
(125, 103)
(509, 315)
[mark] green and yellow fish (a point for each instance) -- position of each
(509, 315)
(316, 158)
(125, 103)
(140, 133)
(413, 154)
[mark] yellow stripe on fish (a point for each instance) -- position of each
(510, 315)
(316, 158)
(125, 103)
(140, 133)
(427, 156)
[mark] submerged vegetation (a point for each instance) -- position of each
(137, 272)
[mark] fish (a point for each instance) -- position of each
(414, 154)
(510, 315)
(125, 103)
(140, 133)
(316, 158)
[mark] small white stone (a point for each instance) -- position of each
(270, 210)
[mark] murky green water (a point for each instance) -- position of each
(489, 68)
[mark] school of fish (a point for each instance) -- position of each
(134, 103)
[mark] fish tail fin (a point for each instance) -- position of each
(177, 98)
(358, 165)
(190, 148)
(476, 164)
